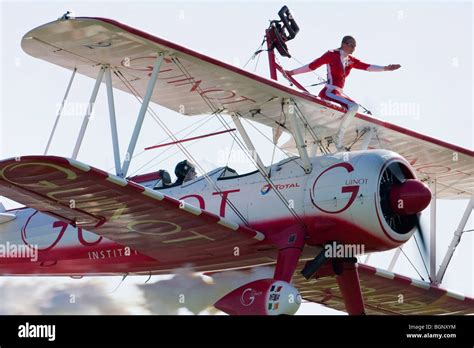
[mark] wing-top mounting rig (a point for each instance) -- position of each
(276, 35)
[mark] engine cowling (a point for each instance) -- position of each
(371, 198)
(261, 297)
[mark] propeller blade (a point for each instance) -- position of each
(397, 172)
(423, 248)
(421, 236)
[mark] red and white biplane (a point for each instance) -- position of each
(85, 221)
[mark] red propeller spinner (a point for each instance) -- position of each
(410, 197)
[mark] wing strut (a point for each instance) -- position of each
(432, 273)
(297, 135)
(367, 138)
(141, 114)
(113, 121)
(60, 111)
(87, 116)
(455, 241)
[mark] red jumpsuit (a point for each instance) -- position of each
(339, 65)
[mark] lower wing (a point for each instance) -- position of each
(166, 229)
(385, 292)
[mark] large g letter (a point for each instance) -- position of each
(345, 189)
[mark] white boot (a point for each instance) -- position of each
(346, 120)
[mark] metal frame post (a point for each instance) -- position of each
(367, 258)
(313, 150)
(394, 260)
(141, 114)
(367, 139)
(113, 121)
(271, 57)
(455, 241)
(433, 235)
(90, 107)
(60, 111)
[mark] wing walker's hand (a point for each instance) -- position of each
(392, 67)
(289, 72)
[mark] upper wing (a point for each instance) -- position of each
(447, 168)
(192, 83)
(154, 224)
(385, 292)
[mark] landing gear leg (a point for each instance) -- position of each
(286, 263)
(291, 245)
(349, 285)
(345, 271)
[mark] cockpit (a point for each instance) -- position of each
(185, 173)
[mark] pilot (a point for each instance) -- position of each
(184, 172)
(339, 63)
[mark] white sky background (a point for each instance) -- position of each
(431, 40)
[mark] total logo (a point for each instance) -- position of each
(267, 188)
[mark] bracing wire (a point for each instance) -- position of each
(256, 63)
(313, 134)
(421, 255)
(219, 116)
(256, 53)
(264, 135)
(183, 149)
(411, 263)
(205, 120)
(178, 151)
(169, 147)
(230, 152)
(321, 79)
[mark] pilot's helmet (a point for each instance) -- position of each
(183, 168)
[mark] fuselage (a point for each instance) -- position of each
(339, 201)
